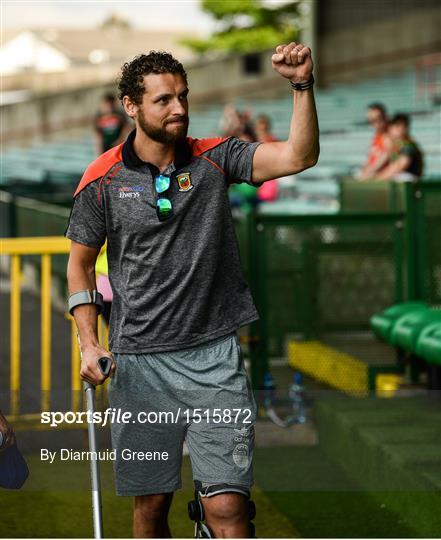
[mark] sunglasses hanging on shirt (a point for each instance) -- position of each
(164, 207)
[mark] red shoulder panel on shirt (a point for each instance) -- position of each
(100, 166)
(199, 146)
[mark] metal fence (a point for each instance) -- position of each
(46, 249)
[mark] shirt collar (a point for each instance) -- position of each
(131, 159)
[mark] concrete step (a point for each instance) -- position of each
(390, 446)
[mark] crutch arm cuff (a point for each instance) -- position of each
(86, 297)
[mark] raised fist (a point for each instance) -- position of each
(293, 61)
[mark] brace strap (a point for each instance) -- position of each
(86, 297)
(210, 490)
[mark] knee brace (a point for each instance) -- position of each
(196, 509)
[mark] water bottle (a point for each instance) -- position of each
(296, 397)
(269, 390)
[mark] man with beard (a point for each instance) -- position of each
(161, 201)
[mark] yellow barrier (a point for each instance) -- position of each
(45, 247)
(343, 371)
(325, 364)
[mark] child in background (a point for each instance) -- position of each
(103, 283)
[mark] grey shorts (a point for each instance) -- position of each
(201, 395)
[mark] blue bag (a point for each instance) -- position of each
(13, 468)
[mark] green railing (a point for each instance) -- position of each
(424, 225)
(25, 217)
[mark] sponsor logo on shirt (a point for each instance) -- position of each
(184, 181)
(130, 192)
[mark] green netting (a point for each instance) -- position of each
(326, 273)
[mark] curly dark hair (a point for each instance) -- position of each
(131, 81)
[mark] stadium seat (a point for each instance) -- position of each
(408, 328)
(428, 344)
(382, 323)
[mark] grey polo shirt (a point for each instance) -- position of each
(176, 283)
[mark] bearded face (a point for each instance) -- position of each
(169, 131)
(162, 115)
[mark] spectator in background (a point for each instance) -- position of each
(263, 129)
(238, 124)
(379, 152)
(235, 123)
(111, 126)
(247, 131)
(102, 282)
(230, 123)
(269, 190)
(406, 158)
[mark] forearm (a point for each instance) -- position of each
(380, 163)
(394, 168)
(301, 149)
(386, 174)
(82, 278)
(303, 140)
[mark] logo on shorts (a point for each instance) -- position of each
(243, 432)
(240, 455)
(242, 435)
(184, 181)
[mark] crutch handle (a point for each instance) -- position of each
(104, 363)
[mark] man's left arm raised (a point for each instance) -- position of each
(301, 150)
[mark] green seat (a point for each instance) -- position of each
(407, 329)
(428, 344)
(382, 323)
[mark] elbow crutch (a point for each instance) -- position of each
(104, 363)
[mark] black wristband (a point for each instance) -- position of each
(303, 86)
